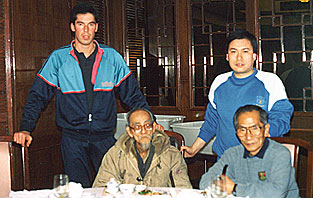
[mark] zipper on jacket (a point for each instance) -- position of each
(89, 120)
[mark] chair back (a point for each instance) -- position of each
(5, 170)
(178, 138)
(294, 145)
(7, 159)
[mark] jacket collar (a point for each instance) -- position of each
(96, 64)
(160, 141)
(260, 153)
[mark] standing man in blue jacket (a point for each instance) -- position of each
(243, 85)
(84, 76)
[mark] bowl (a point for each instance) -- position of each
(140, 188)
(127, 188)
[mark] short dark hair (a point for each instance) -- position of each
(249, 108)
(138, 109)
(83, 8)
(242, 34)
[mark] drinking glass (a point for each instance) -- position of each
(218, 187)
(61, 185)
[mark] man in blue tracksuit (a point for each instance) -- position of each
(244, 85)
(84, 76)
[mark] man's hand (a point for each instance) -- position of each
(229, 184)
(21, 137)
(191, 151)
(188, 151)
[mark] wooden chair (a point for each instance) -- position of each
(178, 138)
(294, 145)
(6, 151)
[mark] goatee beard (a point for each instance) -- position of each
(145, 146)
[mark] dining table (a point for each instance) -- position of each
(158, 192)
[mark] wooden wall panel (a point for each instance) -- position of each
(4, 33)
(116, 35)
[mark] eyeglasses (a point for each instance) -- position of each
(138, 128)
(254, 130)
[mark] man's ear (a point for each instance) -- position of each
(72, 27)
(227, 57)
(254, 56)
(267, 130)
(129, 131)
(97, 25)
(153, 127)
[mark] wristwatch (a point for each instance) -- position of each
(234, 190)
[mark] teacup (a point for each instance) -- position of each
(127, 188)
(139, 188)
(112, 186)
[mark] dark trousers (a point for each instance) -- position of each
(82, 158)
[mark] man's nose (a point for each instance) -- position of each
(143, 130)
(239, 56)
(86, 28)
(248, 135)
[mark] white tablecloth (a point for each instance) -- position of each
(99, 192)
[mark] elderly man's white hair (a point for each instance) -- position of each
(138, 109)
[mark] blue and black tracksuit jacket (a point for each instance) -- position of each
(61, 75)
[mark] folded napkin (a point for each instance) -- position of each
(76, 190)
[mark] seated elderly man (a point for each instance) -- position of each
(259, 167)
(143, 155)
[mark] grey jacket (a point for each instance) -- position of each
(270, 176)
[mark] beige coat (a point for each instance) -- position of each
(121, 163)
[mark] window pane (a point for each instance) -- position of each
(151, 49)
(287, 47)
